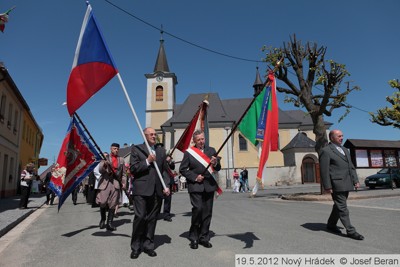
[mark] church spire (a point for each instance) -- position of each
(161, 63)
(258, 84)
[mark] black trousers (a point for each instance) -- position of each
(167, 204)
(202, 206)
(144, 224)
(25, 192)
(340, 211)
(75, 194)
(50, 195)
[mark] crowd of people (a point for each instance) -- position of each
(147, 183)
(241, 181)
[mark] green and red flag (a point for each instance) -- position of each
(249, 123)
(269, 124)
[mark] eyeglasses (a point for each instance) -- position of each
(151, 134)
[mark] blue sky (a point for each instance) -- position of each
(40, 39)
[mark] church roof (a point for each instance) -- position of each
(230, 111)
(300, 141)
(361, 143)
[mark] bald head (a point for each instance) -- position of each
(336, 137)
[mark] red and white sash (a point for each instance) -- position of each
(204, 160)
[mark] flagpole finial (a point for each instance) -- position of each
(206, 99)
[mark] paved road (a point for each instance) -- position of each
(241, 225)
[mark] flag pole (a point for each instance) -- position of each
(90, 136)
(243, 115)
(140, 127)
(100, 152)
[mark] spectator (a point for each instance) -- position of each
(27, 175)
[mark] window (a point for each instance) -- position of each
(12, 167)
(10, 113)
(242, 143)
(376, 158)
(159, 93)
(2, 107)
(362, 158)
(390, 158)
(15, 122)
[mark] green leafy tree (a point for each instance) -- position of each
(389, 116)
(311, 72)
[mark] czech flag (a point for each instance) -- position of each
(93, 66)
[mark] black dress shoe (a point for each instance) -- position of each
(168, 219)
(134, 254)
(150, 252)
(194, 245)
(333, 229)
(356, 236)
(205, 244)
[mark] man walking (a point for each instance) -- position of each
(147, 191)
(338, 177)
(113, 177)
(201, 188)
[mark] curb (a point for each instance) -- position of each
(15, 223)
(327, 197)
(10, 226)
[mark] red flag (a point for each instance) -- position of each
(93, 66)
(270, 142)
(199, 121)
(4, 19)
(77, 158)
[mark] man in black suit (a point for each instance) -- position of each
(147, 192)
(339, 177)
(201, 187)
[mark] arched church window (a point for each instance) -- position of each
(159, 93)
(242, 143)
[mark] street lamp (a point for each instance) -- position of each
(228, 179)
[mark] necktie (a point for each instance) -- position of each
(340, 150)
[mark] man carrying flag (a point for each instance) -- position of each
(113, 180)
(201, 187)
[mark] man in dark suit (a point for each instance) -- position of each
(338, 177)
(201, 188)
(147, 192)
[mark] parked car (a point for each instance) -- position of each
(385, 177)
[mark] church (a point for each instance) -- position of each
(295, 162)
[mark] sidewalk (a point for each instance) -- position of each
(361, 193)
(11, 215)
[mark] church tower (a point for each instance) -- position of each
(160, 96)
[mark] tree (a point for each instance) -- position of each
(389, 116)
(318, 72)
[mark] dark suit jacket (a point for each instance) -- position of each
(191, 168)
(145, 178)
(337, 171)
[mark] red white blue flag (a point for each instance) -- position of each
(93, 66)
(77, 158)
